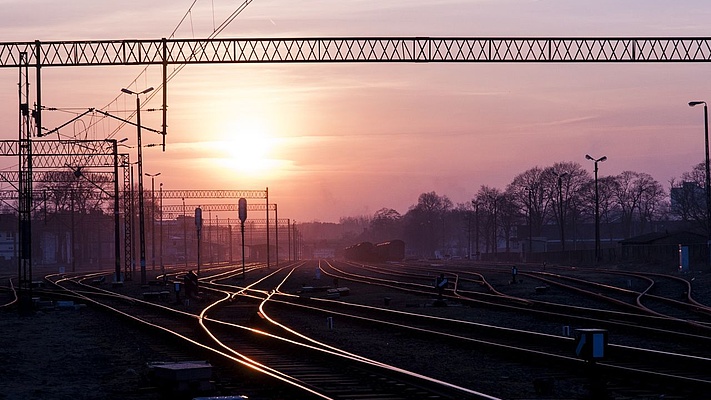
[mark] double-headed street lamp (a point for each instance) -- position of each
(597, 207)
(141, 213)
(708, 176)
(153, 218)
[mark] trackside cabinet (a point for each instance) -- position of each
(591, 344)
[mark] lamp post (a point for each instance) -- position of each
(185, 236)
(141, 212)
(708, 176)
(529, 191)
(476, 229)
(162, 266)
(560, 207)
(494, 199)
(597, 206)
(153, 219)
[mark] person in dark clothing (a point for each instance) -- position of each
(190, 280)
(440, 285)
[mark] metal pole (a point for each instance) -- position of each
(153, 222)
(560, 206)
(530, 221)
(476, 229)
(268, 248)
(162, 266)
(242, 226)
(708, 181)
(199, 237)
(133, 224)
(597, 217)
(469, 235)
(495, 244)
(229, 232)
(141, 211)
(117, 223)
(707, 177)
(597, 206)
(73, 236)
(185, 236)
(198, 226)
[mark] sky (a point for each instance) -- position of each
(337, 140)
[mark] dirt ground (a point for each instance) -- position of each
(72, 354)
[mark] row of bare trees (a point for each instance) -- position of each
(558, 198)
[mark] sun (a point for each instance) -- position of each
(248, 148)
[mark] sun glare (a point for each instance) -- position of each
(248, 148)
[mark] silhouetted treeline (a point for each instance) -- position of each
(552, 203)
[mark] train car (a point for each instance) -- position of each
(392, 250)
(363, 251)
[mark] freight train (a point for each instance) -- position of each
(392, 250)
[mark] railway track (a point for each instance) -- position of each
(270, 331)
(649, 365)
(304, 370)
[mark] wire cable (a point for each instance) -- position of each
(180, 67)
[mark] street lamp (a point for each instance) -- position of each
(560, 207)
(141, 212)
(153, 218)
(494, 199)
(185, 236)
(597, 207)
(162, 266)
(708, 176)
(529, 191)
(476, 229)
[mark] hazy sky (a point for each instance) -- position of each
(344, 140)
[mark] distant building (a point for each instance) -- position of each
(7, 245)
(663, 247)
(687, 200)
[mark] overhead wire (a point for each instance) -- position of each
(143, 73)
(176, 71)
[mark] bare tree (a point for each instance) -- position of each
(385, 225)
(528, 191)
(487, 199)
(425, 222)
(564, 181)
(634, 189)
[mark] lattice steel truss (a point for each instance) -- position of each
(177, 209)
(23, 151)
(53, 161)
(225, 194)
(216, 194)
(366, 49)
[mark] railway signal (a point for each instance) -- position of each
(198, 226)
(591, 344)
(243, 217)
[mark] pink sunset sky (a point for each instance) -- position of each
(333, 140)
